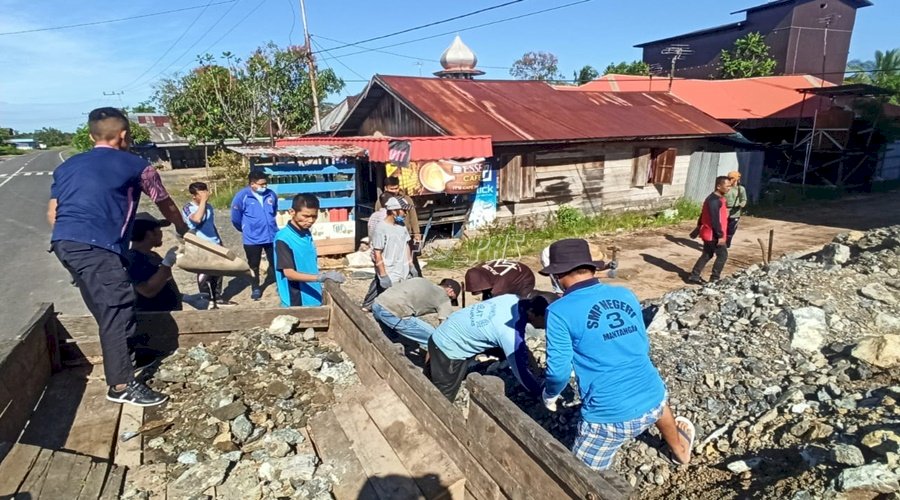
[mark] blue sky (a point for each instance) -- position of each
(53, 78)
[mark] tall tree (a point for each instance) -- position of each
(236, 98)
(81, 139)
(628, 68)
(144, 107)
(750, 57)
(585, 75)
(52, 137)
(536, 66)
(883, 71)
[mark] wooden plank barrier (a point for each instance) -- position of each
(26, 363)
(502, 452)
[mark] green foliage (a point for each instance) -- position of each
(144, 107)
(750, 57)
(542, 66)
(9, 150)
(228, 165)
(233, 98)
(81, 141)
(883, 71)
(52, 137)
(585, 75)
(523, 238)
(628, 68)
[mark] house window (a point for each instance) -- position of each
(653, 166)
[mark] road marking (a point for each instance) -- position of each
(61, 157)
(13, 175)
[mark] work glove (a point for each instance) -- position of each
(331, 275)
(384, 281)
(171, 256)
(549, 402)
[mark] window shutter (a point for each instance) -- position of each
(510, 181)
(641, 168)
(529, 181)
(665, 166)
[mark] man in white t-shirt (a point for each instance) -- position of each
(393, 256)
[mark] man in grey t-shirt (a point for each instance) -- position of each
(393, 257)
(398, 308)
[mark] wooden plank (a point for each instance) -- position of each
(114, 481)
(549, 453)
(14, 468)
(128, 453)
(26, 353)
(376, 455)
(435, 474)
(93, 431)
(94, 481)
(34, 482)
(66, 471)
(335, 448)
(209, 246)
(51, 422)
(441, 419)
(87, 352)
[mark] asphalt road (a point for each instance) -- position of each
(28, 274)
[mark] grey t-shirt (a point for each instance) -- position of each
(416, 297)
(393, 241)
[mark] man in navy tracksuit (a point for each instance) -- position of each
(253, 214)
(598, 330)
(93, 201)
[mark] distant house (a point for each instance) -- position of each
(25, 143)
(805, 37)
(171, 149)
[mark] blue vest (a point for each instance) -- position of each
(295, 293)
(97, 194)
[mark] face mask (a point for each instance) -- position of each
(399, 219)
(259, 190)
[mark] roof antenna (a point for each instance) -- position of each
(678, 51)
(654, 69)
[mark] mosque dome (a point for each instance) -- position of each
(458, 61)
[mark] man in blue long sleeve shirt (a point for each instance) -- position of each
(495, 323)
(599, 330)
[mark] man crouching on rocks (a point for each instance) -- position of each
(600, 331)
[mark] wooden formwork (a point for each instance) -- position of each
(498, 451)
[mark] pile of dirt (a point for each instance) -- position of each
(790, 372)
(237, 416)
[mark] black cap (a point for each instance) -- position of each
(569, 254)
(455, 286)
(144, 222)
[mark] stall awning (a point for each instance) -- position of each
(421, 148)
(301, 151)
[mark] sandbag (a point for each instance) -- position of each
(203, 257)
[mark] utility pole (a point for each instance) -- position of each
(312, 67)
(114, 93)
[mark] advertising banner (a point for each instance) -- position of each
(484, 205)
(439, 176)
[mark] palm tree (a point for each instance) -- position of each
(884, 69)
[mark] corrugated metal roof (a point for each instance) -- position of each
(742, 99)
(304, 151)
(421, 148)
(512, 111)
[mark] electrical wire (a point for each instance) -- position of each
(325, 60)
(428, 25)
(293, 21)
(107, 21)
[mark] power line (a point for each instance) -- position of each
(428, 25)
(95, 23)
(293, 21)
(483, 25)
(325, 60)
(164, 54)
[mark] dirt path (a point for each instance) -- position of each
(654, 262)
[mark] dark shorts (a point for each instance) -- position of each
(446, 374)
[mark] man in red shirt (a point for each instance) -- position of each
(713, 230)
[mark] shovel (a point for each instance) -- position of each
(613, 264)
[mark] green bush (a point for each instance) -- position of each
(10, 150)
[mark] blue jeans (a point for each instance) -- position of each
(412, 328)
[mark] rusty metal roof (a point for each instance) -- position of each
(512, 111)
(304, 151)
(421, 148)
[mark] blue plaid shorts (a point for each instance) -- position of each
(597, 444)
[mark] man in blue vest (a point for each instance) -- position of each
(93, 201)
(598, 330)
(296, 261)
(253, 214)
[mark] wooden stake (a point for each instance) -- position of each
(762, 248)
(771, 241)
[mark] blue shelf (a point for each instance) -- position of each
(345, 202)
(292, 169)
(312, 187)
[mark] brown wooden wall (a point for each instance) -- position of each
(392, 118)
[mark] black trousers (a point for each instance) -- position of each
(107, 292)
(446, 374)
(732, 228)
(372, 293)
(711, 249)
(254, 257)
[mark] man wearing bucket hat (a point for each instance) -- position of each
(735, 200)
(599, 331)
